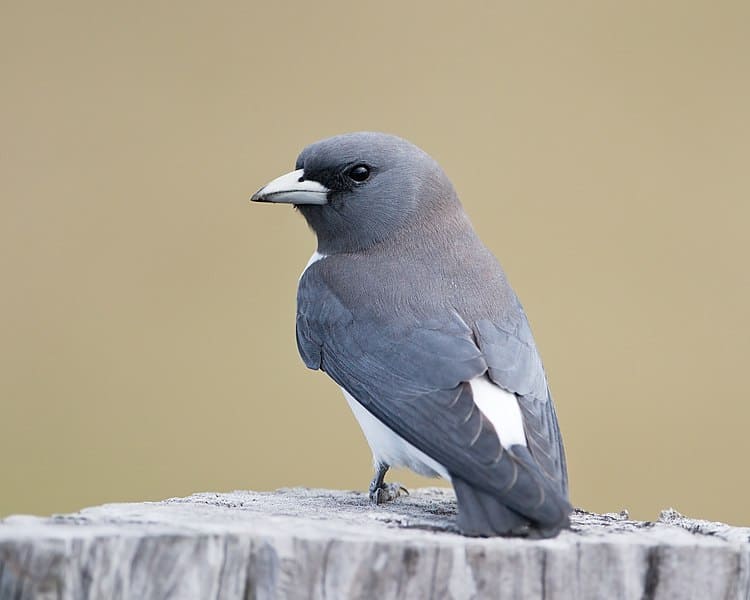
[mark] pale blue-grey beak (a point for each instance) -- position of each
(292, 188)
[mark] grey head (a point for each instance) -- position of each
(358, 189)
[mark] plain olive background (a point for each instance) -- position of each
(147, 309)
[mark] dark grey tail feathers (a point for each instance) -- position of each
(485, 514)
(480, 514)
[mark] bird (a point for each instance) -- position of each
(405, 308)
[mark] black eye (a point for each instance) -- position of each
(359, 173)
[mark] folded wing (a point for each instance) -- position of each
(413, 374)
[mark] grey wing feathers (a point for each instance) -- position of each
(413, 375)
(514, 365)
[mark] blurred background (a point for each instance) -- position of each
(147, 342)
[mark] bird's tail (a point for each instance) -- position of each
(485, 514)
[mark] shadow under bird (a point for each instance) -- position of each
(405, 309)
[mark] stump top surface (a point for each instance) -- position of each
(426, 515)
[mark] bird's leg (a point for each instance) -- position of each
(381, 492)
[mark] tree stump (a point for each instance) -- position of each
(297, 543)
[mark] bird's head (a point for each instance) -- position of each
(358, 189)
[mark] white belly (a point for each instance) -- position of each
(390, 448)
(498, 406)
(316, 256)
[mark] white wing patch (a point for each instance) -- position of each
(390, 448)
(501, 409)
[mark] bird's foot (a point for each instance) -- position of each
(387, 492)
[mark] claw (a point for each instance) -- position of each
(382, 492)
(387, 492)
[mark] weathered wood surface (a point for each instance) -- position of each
(301, 543)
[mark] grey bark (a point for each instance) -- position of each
(330, 544)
